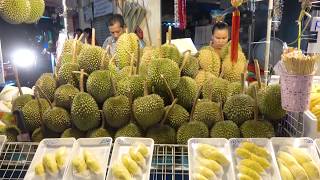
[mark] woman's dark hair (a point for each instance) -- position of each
(116, 18)
(220, 26)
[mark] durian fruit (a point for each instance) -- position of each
(31, 113)
(255, 149)
(127, 45)
(119, 171)
(215, 89)
(168, 69)
(117, 111)
(64, 95)
(245, 154)
(244, 177)
(70, 45)
(202, 77)
(50, 164)
(210, 152)
(185, 91)
(258, 84)
(248, 171)
(137, 157)
(207, 112)
(85, 112)
(99, 132)
(90, 58)
(284, 171)
(211, 164)
(162, 133)
(192, 129)
(65, 58)
(234, 89)
(130, 130)
(148, 110)
(290, 162)
(131, 165)
(20, 101)
(48, 85)
(92, 162)
(205, 172)
(15, 11)
(57, 119)
(232, 71)
(73, 132)
(99, 85)
(66, 75)
(79, 164)
(36, 11)
(191, 67)
(197, 176)
(61, 156)
(226, 49)
(177, 116)
(39, 169)
(209, 60)
(42, 133)
(269, 102)
(224, 129)
(257, 128)
(11, 131)
(253, 165)
(170, 51)
(239, 108)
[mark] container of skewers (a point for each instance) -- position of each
(297, 71)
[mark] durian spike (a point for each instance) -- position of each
(242, 83)
(138, 60)
(169, 34)
(93, 39)
(195, 102)
(81, 37)
(81, 80)
(185, 59)
(16, 75)
(74, 51)
(256, 109)
(113, 86)
(168, 112)
(145, 88)
(38, 88)
(168, 87)
(257, 70)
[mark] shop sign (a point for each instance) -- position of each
(102, 7)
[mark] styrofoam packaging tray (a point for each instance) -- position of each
(50, 146)
(100, 148)
(3, 140)
(273, 172)
(316, 142)
(122, 145)
(305, 143)
(221, 144)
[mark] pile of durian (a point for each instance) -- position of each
(153, 92)
(21, 11)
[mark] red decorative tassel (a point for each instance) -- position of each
(182, 14)
(235, 35)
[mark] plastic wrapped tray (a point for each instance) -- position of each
(50, 146)
(100, 148)
(304, 143)
(121, 146)
(3, 140)
(271, 173)
(221, 144)
(317, 144)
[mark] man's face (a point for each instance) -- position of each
(220, 38)
(116, 30)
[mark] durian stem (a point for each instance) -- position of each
(16, 75)
(81, 37)
(195, 102)
(222, 72)
(256, 109)
(167, 38)
(76, 37)
(40, 108)
(102, 60)
(93, 39)
(74, 51)
(169, 34)
(103, 119)
(185, 59)
(145, 88)
(168, 112)
(79, 72)
(210, 92)
(44, 95)
(242, 83)
(81, 80)
(108, 49)
(138, 60)
(85, 41)
(245, 70)
(159, 39)
(132, 65)
(257, 69)
(113, 85)
(221, 110)
(112, 59)
(168, 87)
